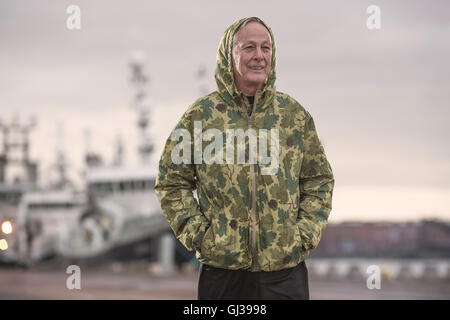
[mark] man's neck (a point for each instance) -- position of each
(249, 90)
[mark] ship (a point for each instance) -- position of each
(123, 220)
(14, 155)
(114, 217)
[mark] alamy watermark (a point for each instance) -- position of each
(74, 280)
(73, 22)
(374, 20)
(374, 278)
(214, 151)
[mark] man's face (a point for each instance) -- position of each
(251, 56)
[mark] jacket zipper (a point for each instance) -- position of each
(253, 212)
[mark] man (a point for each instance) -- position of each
(257, 216)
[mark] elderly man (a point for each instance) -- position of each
(256, 217)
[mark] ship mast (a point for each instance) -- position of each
(16, 141)
(139, 80)
(61, 162)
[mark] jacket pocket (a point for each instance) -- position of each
(225, 244)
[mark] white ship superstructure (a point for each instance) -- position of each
(124, 210)
(44, 219)
(130, 187)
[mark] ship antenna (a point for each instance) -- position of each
(139, 80)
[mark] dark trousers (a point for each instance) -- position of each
(223, 284)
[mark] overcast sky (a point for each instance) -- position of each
(380, 98)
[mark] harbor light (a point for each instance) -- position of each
(7, 227)
(3, 244)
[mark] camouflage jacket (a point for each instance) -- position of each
(246, 218)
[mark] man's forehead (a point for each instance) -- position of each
(253, 31)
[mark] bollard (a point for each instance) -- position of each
(166, 254)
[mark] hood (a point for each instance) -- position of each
(224, 69)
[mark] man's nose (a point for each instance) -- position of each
(259, 54)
